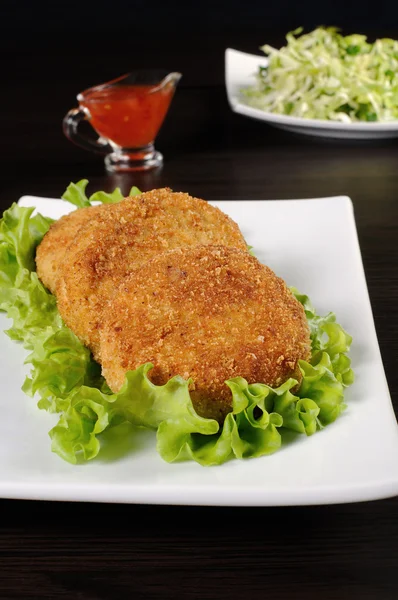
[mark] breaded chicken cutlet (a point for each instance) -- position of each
(120, 238)
(51, 250)
(208, 313)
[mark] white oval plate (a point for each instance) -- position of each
(240, 69)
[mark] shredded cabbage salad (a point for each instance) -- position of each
(325, 75)
(68, 381)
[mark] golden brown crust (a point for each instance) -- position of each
(210, 313)
(52, 248)
(123, 236)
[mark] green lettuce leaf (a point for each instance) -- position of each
(76, 194)
(60, 366)
(22, 296)
(139, 402)
(67, 380)
(328, 336)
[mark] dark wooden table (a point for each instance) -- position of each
(93, 552)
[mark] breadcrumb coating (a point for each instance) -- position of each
(208, 313)
(120, 238)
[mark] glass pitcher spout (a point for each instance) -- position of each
(153, 79)
(173, 78)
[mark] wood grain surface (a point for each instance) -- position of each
(98, 552)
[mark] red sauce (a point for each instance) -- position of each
(128, 115)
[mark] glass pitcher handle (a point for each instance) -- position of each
(70, 126)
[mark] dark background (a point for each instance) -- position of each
(49, 51)
(65, 27)
(136, 17)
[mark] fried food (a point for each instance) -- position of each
(123, 236)
(208, 313)
(52, 248)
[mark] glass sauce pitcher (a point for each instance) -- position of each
(127, 114)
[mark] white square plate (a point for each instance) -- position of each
(313, 245)
(240, 71)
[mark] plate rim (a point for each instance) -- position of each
(198, 496)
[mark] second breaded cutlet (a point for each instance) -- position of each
(209, 313)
